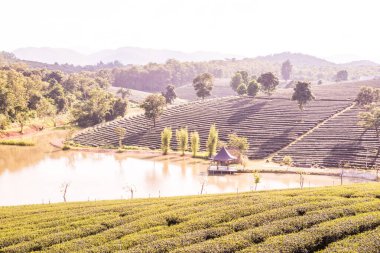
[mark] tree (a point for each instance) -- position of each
(169, 94)
(302, 94)
(203, 85)
(236, 80)
(287, 160)
(182, 137)
(342, 75)
(239, 143)
(23, 117)
(46, 109)
(118, 108)
(268, 83)
(195, 143)
(166, 136)
(370, 119)
(253, 88)
(256, 179)
(153, 106)
(124, 93)
(242, 89)
(121, 132)
(244, 76)
(94, 109)
(286, 70)
(367, 95)
(64, 188)
(212, 140)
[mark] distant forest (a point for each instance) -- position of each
(155, 77)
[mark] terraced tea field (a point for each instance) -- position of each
(330, 219)
(269, 124)
(339, 141)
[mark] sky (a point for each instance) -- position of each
(339, 30)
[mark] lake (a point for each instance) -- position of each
(35, 175)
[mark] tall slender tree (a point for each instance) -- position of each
(286, 70)
(212, 140)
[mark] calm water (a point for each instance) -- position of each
(34, 175)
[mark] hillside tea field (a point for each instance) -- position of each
(326, 133)
(330, 219)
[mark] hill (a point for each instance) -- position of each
(270, 124)
(296, 59)
(330, 219)
(125, 55)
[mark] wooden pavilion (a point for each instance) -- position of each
(221, 163)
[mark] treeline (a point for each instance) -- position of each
(27, 94)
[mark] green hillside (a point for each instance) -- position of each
(330, 219)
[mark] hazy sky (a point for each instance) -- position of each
(325, 28)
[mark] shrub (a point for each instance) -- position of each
(17, 142)
(182, 136)
(166, 136)
(195, 143)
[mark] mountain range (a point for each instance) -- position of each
(135, 55)
(125, 55)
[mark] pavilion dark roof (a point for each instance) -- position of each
(224, 156)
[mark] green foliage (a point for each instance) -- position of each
(212, 141)
(367, 95)
(370, 119)
(153, 106)
(287, 160)
(170, 94)
(268, 82)
(242, 89)
(288, 220)
(94, 110)
(17, 142)
(236, 80)
(4, 122)
(286, 70)
(25, 92)
(166, 137)
(256, 179)
(124, 93)
(121, 132)
(203, 85)
(23, 118)
(182, 136)
(195, 143)
(253, 88)
(302, 94)
(118, 108)
(239, 143)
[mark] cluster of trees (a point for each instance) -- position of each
(235, 142)
(242, 84)
(155, 77)
(26, 94)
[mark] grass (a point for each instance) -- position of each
(17, 142)
(328, 219)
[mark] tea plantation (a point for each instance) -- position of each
(329, 219)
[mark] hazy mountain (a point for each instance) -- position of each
(126, 55)
(296, 59)
(361, 63)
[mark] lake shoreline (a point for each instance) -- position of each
(255, 165)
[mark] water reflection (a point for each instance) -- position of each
(35, 175)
